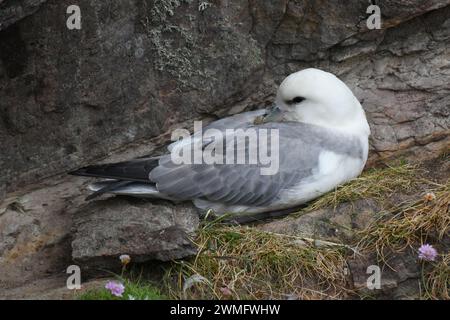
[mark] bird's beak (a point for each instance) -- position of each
(274, 115)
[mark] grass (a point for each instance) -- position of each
(437, 280)
(134, 290)
(409, 224)
(377, 183)
(246, 263)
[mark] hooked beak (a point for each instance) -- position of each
(274, 115)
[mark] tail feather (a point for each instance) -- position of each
(109, 187)
(134, 170)
(127, 188)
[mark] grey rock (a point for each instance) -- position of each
(332, 224)
(13, 11)
(106, 229)
(36, 226)
(399, 277)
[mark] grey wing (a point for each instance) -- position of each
(243, 184)
(236, 121)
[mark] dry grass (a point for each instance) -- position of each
(437, 281)
(376, 183)
(407, 225)
(254, 264)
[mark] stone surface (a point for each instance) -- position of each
(36, 226)
(332, 224)
(35, 232)
(400, 277)
(53, 288)
(13, 11)
(106, 229)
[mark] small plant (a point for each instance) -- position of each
(123, 289)
(115, 288)
(242, 262)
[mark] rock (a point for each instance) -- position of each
(11, 12)
(53, 288)
(35, 232)
(332, 224)
(106, 229)
(400, 276)
(36, 225)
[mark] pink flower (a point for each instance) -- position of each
(427, 252)
(116, 288)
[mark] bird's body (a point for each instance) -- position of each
(322, 142)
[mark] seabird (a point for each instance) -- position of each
(322, 143)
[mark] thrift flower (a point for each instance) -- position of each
(116, 288)
(427, 252)
(125, 259)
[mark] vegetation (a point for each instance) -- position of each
(377, 183)
(437, 280)
(134, 290)
(409, 224)
(247, 263)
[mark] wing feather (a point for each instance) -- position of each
(235, 184)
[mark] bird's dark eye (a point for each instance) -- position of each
(298, 99)
(295, 100)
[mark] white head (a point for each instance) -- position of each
(318, 97)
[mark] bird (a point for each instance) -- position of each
(322, 143)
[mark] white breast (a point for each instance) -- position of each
(333, 170)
